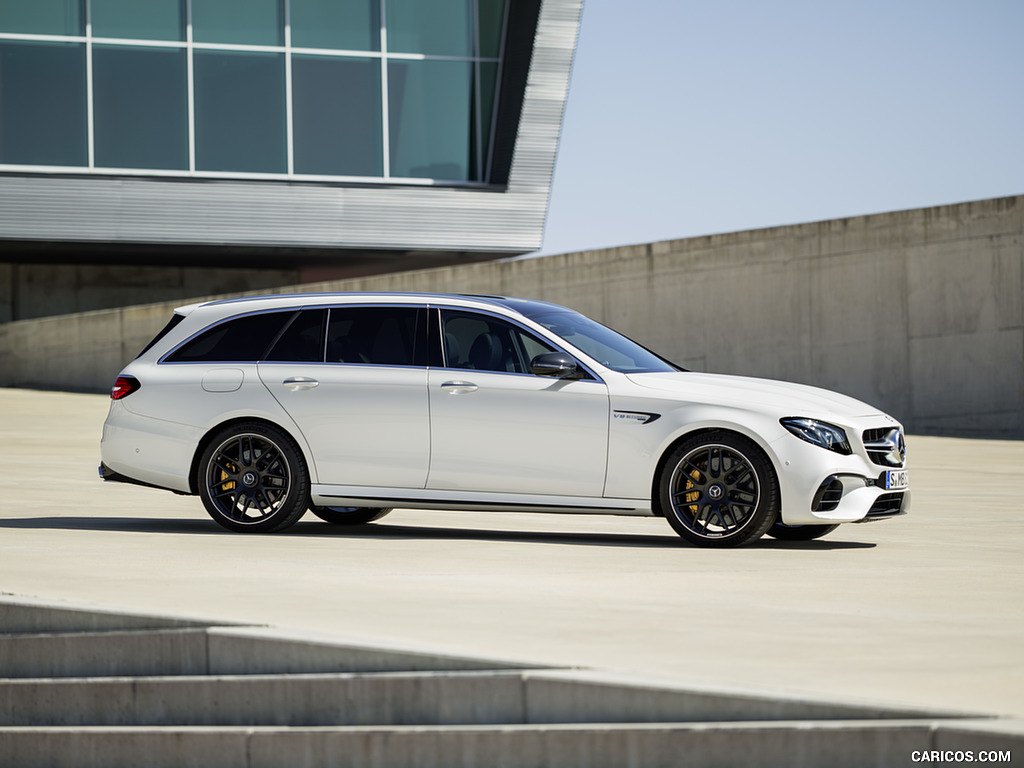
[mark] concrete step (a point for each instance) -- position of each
(117, 690)
(208, 651)
(412, 698)
(22, 615)
(703, 745)
(284, 700)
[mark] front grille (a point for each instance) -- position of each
(882, 446)
(887, 504)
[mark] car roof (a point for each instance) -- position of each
(524, 307)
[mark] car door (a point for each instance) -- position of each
(349, 378)
(495, 427)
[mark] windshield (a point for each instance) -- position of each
(611, 349)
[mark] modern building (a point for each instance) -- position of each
(164, 145)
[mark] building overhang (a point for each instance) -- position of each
(312, 219)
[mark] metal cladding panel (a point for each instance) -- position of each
(136, 209)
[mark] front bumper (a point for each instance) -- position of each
(820, 487)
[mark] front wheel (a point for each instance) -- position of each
(348, 515)
(719, 489)
(252, 477)
(784, 532)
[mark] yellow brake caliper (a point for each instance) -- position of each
(229, 485)
(692, 495)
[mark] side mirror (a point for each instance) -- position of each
(557, 365)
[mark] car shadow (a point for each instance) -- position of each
(387, 531)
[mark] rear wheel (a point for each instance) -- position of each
(252, 477)
(348, 515)
(784, 532)
(718, 489)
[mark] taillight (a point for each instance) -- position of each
(124, 386)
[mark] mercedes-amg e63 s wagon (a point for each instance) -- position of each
(349, 405)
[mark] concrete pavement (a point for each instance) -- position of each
(926, 610)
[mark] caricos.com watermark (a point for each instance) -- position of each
(961, 756)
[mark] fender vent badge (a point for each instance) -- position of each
(638, 417)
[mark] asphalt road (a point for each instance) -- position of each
(926, 609)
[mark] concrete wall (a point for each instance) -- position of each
(919, 312)
(30, 290)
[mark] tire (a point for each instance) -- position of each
(252, 478)
(719, 489)
(784, 532)
(348, 515)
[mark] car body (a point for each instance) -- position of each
(350, 404)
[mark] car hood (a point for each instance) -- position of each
(780, 398)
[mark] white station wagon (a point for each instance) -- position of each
(349, 405)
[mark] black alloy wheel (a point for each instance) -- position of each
(349, 515)
(719, 489)
(252, 477)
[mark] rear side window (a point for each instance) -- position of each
(303, 339)
(242, 340)
(375, 335)
(171, 324)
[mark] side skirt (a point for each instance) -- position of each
(341, 495)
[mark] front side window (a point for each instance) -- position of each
(242, 340)
(376, 335)
(485, 343)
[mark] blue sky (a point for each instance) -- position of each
(693, 118)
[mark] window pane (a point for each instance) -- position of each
(240, 112)
(492, 18)
(171, 325)
(336, 115)
(438, 27)
(131, 19)
(243, 340)
(372, 335)
(140, 127)
(43, 17)
(303, 340)
(245, 22)
(352, 25)
(43, 104)
(601, 343)
(488, 89)
(485, 343)
(429, 105)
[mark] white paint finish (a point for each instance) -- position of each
(365, 424)
(518, 434)
(478, 438)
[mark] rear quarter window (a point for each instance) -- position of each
(241, 340)
(171, 325)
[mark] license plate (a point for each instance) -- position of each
(896, 479)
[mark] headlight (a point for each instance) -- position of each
(827, 436)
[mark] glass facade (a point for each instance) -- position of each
(393, 90)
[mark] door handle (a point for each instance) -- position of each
(459, 387)
(296, 383)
